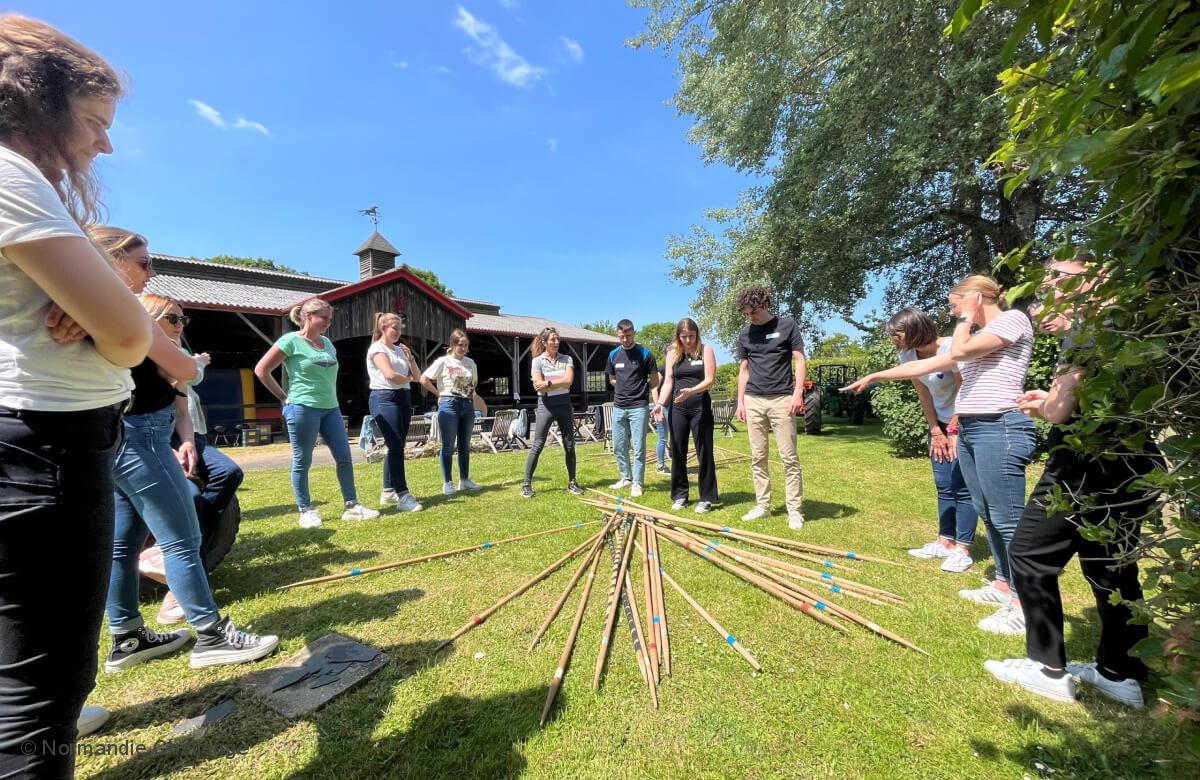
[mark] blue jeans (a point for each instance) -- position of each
(993, 452)
(303, 425)
(660, 450)
(152, 496)
(956, 509)
(630, 424)
(456, 420)
(392, 410)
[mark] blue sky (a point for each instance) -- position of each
(516, 147)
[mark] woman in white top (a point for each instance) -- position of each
(552, 374)
(915, 336)
(392, 370)
(452, 378)
(61, 394)
(995, 441)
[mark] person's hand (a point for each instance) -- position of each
(63, 329)
(970, 305)
(952, 439)
(796, 407)
(186, 455)
(859, 386)
(540, 384)
(659, 412)
(684, 394)
(203, 358)
(939, 447)
(740, 414)
(1030, 403)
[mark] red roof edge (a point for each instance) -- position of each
(397, 273)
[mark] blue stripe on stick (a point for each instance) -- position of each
(355, 572)
(826, 575)
(487, 545)
(851, 555)
(731, 639)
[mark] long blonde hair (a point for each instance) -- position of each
(296, 315)
(687, 323)
(456, 335)
(987, 287)
(382, 320)
(41, 70)
(115, 242)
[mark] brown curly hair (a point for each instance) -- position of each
(756, 297)
(41, 71)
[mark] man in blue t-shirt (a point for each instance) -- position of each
(633, 373)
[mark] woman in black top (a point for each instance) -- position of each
(691, 369)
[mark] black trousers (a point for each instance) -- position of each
(695, 420)
(56, 547)
(551, 410)
(1044, 543)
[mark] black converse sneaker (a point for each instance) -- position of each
(224, 643)
(130, 648)
(573, 488)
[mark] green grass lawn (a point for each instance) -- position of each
(825, 705)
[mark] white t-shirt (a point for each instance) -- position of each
(552, 372)
(452, 376)
(992, 383)
(941, 384)
(399, 364)
(35, 372)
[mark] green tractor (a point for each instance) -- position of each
(824, 389)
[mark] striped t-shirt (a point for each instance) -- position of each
(991, 384)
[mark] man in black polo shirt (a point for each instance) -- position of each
(633, 373)
(770, 395)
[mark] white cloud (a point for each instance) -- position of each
(442, 69)
(213, 117)
(494, 53)
(574, 50)
(509, 5)
(552, 143)
(400, 64)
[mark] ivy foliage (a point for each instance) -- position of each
(1112, 92)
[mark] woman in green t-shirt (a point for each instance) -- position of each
(310, 406)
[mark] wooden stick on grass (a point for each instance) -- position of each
(610, 618)
(564, 660)
(558, 605)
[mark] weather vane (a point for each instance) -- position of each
(373, 213)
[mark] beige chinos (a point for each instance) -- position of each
(764, 414)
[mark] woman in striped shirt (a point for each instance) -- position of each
(995, 441)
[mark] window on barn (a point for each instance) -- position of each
(502, 385)
(596, 382)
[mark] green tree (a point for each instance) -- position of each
(868, 129)
(1113, 91)
(656, 337)
(600, 326)
(431, 279)
(839, 345)
(261, 263)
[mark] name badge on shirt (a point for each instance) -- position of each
(774, 335)
(618, 365)
(697, 362)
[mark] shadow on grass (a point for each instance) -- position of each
(1114, 750)
(345, 729)
(260, 562)
(275, 510)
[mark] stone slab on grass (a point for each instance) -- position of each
(209, 718)
(309, 680)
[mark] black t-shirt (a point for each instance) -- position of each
(689, 372)
(150, 391)
(632, 369)
(768, 349)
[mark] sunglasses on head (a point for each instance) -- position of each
(176, 319)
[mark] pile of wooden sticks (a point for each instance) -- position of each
(629, 526)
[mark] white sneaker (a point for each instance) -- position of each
(757, 513)
(310, 519)
(466, 484)
(988, 594)
(1029, 675)
(958, 561)
(1126, 691)
(388, 497)
(90, 720)
(1009, 620)
(934, 549)
(635, 490)
(680, 503)
(357, 511)
(406, 503)
(448, 489)
(620, 484)
(795, 521)
(703, 508)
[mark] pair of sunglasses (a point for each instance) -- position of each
(176, 319)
